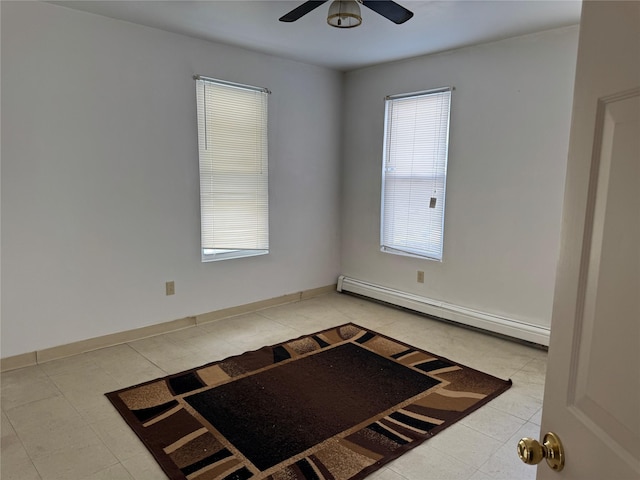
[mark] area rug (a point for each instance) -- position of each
(335, 405)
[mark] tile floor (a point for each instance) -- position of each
(57, 424)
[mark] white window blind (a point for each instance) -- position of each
(232, 139)
(414, 173)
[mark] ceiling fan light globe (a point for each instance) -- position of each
(344, 14)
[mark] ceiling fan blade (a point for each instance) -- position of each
(301, 10)
(389, 9)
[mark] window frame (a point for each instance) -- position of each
(258, 180)
(437, 176)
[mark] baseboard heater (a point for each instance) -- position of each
(455, 313)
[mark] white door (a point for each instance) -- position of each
(592, 392)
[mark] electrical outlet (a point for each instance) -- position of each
(420, 276)
(170, 288)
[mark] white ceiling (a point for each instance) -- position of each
(436, 26)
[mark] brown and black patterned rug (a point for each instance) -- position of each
(334, 405)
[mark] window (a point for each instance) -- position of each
(232, 141)
(414, 173)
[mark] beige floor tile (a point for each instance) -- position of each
(143, 467)
(505, 463)
(356, 308)
(425, 463)
(115, 472)
(6, 428)
(536, 418)
(479, 475)
(279, 333)
(92, 404)
(92, 378)
(159, 348)
(385, 474)
(51, 413)
(85, 391)
(380, 319)
(25, 385)
(530, 382)
(256, 342)
(219, 351)
(436, 337)
(206, 339)
(494, 423)
(497, 368)
(305, 325)
(465, 444)
(15, 463)
(118, 438)
(536, 368)
(67, 365)
(120, 353)
(125, 364)
(189, 361)
(307, 316)
(248, 324)
(48, 442)
(195, 342)
(282, 313)
(508, 362)
(517, 403)
(134, 377)
(47, 426)
(539, 353)
(75, 462)
(492, 355)
(319, 309)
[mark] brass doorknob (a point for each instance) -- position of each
(532, 452)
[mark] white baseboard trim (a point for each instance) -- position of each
(466, 316)
(61, 351)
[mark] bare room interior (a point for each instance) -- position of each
(104, 279)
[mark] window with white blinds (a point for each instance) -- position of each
(414, 173)
(232, 140)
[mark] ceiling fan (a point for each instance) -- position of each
(346, 13)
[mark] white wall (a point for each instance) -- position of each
(99, 190)
(100, 181)
(509, 137)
